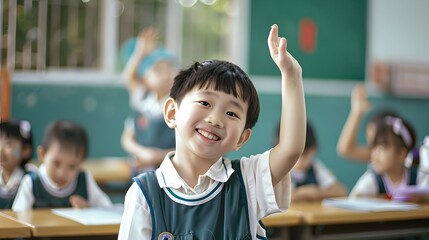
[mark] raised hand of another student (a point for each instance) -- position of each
(284, 60)
(78, 202)
(359, 100)
(146, 42)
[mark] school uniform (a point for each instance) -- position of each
(239, 192)
(373, 184)
(147, 121)
(37, 190)
(9, 189)
(317, 174)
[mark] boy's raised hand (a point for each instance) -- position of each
(146, 42)
(278, 50)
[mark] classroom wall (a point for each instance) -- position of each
(102, 109)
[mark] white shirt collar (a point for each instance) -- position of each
(51, 187)
(167, 175)
(13, 182)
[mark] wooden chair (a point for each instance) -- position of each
(6, 92)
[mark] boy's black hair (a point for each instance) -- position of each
(385, 133)
(68, 135)
(222, 76)
(21, 131)
(310, 138)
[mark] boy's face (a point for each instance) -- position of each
(62, 164)
(385, 158)
(304, 162)
(11, 151)
(209, 123)
(160, 76)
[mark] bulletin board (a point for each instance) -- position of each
(328, 38)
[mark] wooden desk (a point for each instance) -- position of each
(10, 228)
(279, 224)
(287, 218)
(322, 222)
(107, 170)
(44, 223)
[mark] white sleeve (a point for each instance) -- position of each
(96, 197)
(323, 175)
(259, 187)
(422, 179)
(283, 192)
(24, 199)
(365, 186)
(136, 221)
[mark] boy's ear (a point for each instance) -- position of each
(245, 136)
(170, 112)
(41, 153)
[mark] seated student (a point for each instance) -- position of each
(394, 138)
(347, 146)
(60, 182)
(16, 149)
(311, 179)
(197, 193)
(149, 74)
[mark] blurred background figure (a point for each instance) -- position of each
(16, 149)
(149, 75)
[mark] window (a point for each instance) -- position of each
(86, 35)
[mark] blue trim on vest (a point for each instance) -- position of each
(263, 226)
(260, 237)
(197, 199)
(152, 217)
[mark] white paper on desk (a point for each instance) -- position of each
(92, 216)
(368, 204)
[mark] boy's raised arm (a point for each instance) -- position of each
(293, 117)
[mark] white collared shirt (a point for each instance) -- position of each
(24, 199)
(13, 183)
(136, 221)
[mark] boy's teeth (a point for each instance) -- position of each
(208, 135)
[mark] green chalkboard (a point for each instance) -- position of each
(337, 31)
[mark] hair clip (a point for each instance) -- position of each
(25, 129)
(399, 129)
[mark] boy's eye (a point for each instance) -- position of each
(204, 103)
(231, 114)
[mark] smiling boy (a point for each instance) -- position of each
(197, 193)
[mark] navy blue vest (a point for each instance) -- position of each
(223, 217)
(152, 131)
(6, 199)
(43, 199)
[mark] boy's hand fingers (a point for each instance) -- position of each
(273, 41)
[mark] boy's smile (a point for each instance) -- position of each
(208, 135)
